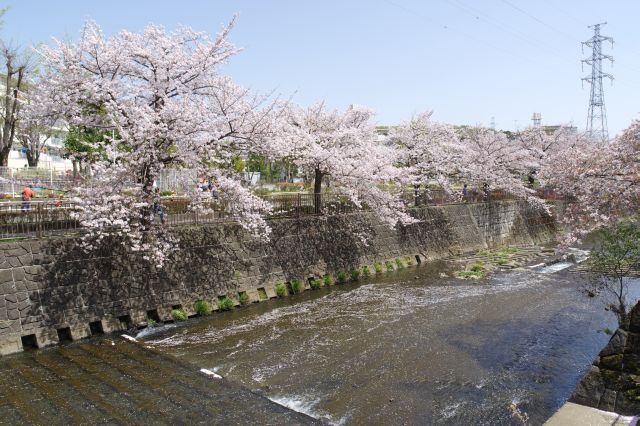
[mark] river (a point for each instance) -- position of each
(410, 347)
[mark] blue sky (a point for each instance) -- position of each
(467, 60)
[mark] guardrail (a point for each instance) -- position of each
(46, 217)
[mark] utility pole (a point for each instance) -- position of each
(597, 115)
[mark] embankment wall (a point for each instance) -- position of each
(51, 290)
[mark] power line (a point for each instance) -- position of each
(540, 21)
(476, 13)
(471, 37)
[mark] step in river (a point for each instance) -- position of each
(111, 381)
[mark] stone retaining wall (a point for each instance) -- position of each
(51, 290)
(612, 383)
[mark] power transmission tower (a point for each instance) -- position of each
(597, 115)
(537, 119)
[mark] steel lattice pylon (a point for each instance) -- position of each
(597, 115)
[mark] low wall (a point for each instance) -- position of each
(52, 290)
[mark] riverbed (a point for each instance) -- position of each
(412, 347)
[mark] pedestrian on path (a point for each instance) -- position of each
(27, 195)
(157, 205)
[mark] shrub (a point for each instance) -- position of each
(202, 307)
(408, 261)
(262, 294)
(179, 314)
(389, 265)
(341, 277)
(297, 286)
(281, 290)
(399, 263)
(315, 283)
(151, 322)
(355, 274)
(243, 298)
(366, 272)
(470, 274)
(328, 279)
(378, 267)
(477, 267)
(225, 304)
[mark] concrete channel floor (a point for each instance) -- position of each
(111, 381)
(571, 414)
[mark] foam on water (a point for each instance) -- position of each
(556, 267)
(399, 300)
(305, 406)
(149, 331)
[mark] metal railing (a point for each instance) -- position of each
(38, 218)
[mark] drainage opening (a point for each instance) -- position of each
(418, 260)
(125, 321)
(29, 342)
(262, 293)
(153, 315)
(176, 307)
(243, 298)
(96, 328)
(64, 335)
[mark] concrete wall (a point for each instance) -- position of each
(51, 289)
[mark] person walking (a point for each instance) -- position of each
(27, 195)
(157, 205)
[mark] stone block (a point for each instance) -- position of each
(608, 400)
(112, 324)
(16, 250)
(25, 259)
(590, 389)
(10, 344)
(6, 276)
(7, 288)
(271, 291)
(254, 296)
(80, 331)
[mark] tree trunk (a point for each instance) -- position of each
(75, 169)
(416, 189)
(4, 156)
(623, 320)
(317, 191)
(32, 158)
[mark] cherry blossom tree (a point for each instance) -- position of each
(491, 161)
(344, 146)
(34, 131)
(430, 150)
(543, 145)
(601, 179)
(162, 102)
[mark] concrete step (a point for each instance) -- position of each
(112, 381)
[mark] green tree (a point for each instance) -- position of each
(614, 259)
(81, 145)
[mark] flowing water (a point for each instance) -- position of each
(411, 348)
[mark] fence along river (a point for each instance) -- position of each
(42, 217)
